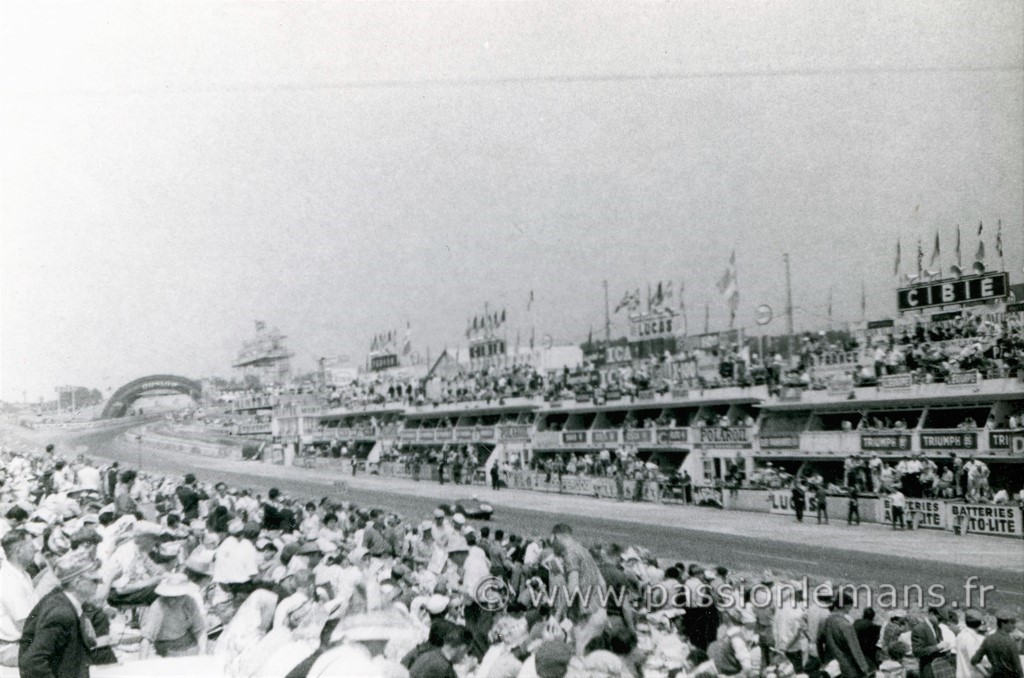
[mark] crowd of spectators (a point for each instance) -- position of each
(123, 566)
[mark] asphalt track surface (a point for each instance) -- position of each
(674, 543)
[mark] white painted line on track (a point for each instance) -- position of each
(761, 554)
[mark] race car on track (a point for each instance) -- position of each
(471, 508)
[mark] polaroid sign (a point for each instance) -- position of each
(979, 288)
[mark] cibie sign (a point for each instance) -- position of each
(976, 288)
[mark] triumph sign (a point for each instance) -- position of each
(977, 288)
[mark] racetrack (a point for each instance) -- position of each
(746, 542)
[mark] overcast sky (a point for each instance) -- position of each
(172, 172)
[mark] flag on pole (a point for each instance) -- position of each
(729, 288)
(707, 318)
(667, 296)
(529, 303)
(502, 315)
(634, 305)
(627, 300)
(920, 257)
(896, 268)
(682, 299)
(999, 238)
(863, 301)
(935, 250)
(830, 304)
(958, 262)
(980, 254)
(407, 341)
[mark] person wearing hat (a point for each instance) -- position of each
(967, 643)
(235, 562)
(57, 636)
(18, 595)
(174, 625)
(1000, 649)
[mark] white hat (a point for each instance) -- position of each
(459, 518)
(235, 527)
(173, 585)
(437, 603)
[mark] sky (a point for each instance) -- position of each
(172, 172)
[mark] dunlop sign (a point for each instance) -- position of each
(977, 288)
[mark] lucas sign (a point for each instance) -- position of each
(976, 288)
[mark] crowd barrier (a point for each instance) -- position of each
(938, 514)
(155, 441)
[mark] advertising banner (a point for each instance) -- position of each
(517, 432)
(670, 436)
(929, 513)
(949, 441)
(968, 378)
(885, 442)
(1007, 442)
(1003, 521)
(574, 437)
(733, 436)
(602, 437)
(618, 354)
(896, 381)
(637, 435)
(780, 442)
(781, 503)
(976, 288)
(654, 325)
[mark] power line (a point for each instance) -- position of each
(538, 80)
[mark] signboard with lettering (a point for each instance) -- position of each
(896, 381)
(976, 288)
(923, 512)
(486, 433)
(780, 442)
(881, 324)
(443, 434)
(712, 436)
(654, 325)
(949, 441)
(583, 397)
(986, 519)
(679, 393)
(637, 435)
(613, 394)
(487, 348)
(968, 378)
(894, 442)
(645, 395)
(618, 354)
(944, 317)
(574, 437)
(781, 503)
(408, 435)
(383, 362)
(791, 394)
(835, 363)
(463, 433)
(609, 436)
(514, 432)
(840, 386)
(426, 435)
(670, 436)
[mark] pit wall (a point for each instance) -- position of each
(156, 441)
(937, 514)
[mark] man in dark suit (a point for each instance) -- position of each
(837, 640)
(927, 645)
(867, 635)
(57, 637)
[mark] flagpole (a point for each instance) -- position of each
(789, 310)
(607, 318)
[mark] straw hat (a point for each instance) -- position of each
(173, 585)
